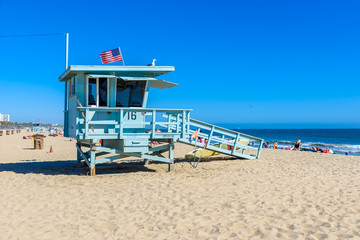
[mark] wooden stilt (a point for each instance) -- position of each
(92, 171)
(170, 167)
(92, 159)
(171, 156)
(78, 156)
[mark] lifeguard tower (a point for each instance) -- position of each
(36, 126)
(108, 103)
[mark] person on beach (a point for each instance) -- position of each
(297, 145)
(319, 150)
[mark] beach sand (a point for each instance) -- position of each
(282, 195)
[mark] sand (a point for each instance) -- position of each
(282, 195)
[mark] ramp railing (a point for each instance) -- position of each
(220, 139)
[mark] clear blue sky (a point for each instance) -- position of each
(247, 64)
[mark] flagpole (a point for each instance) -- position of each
(66, 49)
(122, 57)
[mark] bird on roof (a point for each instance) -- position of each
(153, 63)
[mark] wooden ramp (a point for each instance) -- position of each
(214, 139)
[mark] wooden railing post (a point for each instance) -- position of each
(169, 121)
(235, 143)
(183, 125)
(153, 123)
(210, 135)
(188, 122)
(121, 125)
(86, 123)
(177, 121)
(222, 141)
(259, 150)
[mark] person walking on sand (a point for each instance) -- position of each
(297, 145)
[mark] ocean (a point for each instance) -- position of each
(339, 140)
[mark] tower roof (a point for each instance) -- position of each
(129, 71)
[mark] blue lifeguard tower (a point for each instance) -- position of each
(36, 126)
(108, 103)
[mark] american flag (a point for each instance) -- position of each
(111, 56)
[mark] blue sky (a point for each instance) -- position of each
(246, 64)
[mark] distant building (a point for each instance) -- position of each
(4, 117)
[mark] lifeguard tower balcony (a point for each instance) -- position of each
(107, 104)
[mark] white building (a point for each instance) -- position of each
(4, 117)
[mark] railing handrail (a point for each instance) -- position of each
(88, 122)
(132, 109)
(224, 129)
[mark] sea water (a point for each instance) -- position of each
(339, 140)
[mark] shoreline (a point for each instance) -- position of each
(338, 140)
